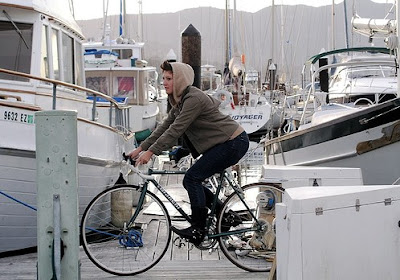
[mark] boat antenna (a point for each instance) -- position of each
(105, 13)
(71, 8)
(16, 28)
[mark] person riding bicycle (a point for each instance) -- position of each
(220, 141)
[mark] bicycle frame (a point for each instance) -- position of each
(117, 218)
(223, 175)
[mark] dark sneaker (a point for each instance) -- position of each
(191, 234)
(230, 219)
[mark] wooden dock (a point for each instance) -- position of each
(183, 262)
(24, 267)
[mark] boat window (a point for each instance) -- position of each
(14, 53)
(123, 54)
(79, 63)
(125, 86)
(44, 65)
(372, 72)
(54, 47)
(98, 83)
(68, 58)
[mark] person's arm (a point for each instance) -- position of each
(158, 131)
(191, 109)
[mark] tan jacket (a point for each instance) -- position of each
(194, 114)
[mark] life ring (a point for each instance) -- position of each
(224, 96)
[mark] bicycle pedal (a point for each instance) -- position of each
(179, 242)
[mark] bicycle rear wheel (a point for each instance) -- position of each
(121, 247)
(247, 242)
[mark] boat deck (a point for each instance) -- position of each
(180, 262)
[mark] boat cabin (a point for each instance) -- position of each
(118, 71)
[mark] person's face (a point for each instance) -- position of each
(168, 82)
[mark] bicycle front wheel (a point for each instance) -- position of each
(118, 243)
(246, 227)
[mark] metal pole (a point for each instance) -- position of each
(57, 235)
(397, 48)
(57, 195)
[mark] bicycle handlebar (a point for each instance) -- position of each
(135, 169)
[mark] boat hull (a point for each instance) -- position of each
(99, 155)
(18, 223)
(367, 139)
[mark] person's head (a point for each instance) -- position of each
(167, 77)
(177, 76)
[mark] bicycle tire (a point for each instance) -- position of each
(122, 249)
(252, 250)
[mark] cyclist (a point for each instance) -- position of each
(221, 141)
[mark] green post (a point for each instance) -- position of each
(57, 194)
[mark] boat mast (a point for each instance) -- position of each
(120, 18)
(227, 32)
(397, 46)
(140, 22)
(272, 31)
(333, 25)
(346, 24)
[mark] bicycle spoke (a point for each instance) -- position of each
(119, 246)
(251, 242)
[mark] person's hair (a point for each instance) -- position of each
(166, 66)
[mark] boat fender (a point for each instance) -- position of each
(224, 96)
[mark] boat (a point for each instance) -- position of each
(353, 121)
(246, 104)
(238, 88)
(117, 69)
(42, 70)
(127, 78)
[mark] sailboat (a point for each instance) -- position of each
(117, 69)
(42, 69)
(352, 120)
(239, 91)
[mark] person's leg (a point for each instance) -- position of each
(214, 160)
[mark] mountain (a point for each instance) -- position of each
(300, 32)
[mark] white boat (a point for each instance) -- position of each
(238, 88)
(127, 79)
(42, 69)
(246, 104)
(117, 69)
(351, 121)
(354, 124)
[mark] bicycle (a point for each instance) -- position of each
(125, 230)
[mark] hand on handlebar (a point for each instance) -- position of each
(139, 157)
(144, 158)
(135, 153)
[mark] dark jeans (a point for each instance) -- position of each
(211, 162)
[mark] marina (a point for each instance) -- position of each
(315, 197)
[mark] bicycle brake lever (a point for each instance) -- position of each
(131, 161)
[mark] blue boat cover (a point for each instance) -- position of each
(95, 51)
(100, 99)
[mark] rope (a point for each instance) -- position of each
(131, 239)
(19, 201)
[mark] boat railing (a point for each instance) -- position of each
(120, 111)
(311, 94)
